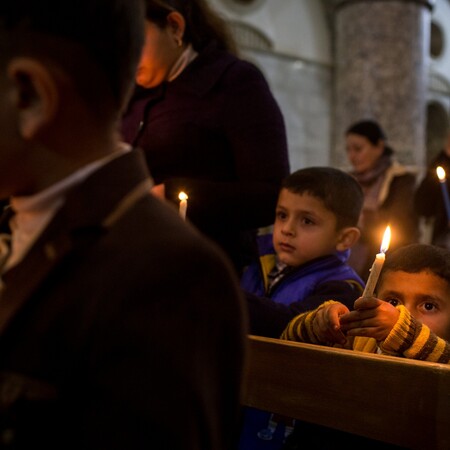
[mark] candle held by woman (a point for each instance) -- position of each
(377, 264)
(183, 204)
(443, 182)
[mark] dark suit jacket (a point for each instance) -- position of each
(120, 331)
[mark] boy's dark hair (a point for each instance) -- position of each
(98, 42)
(203, 24)
(339, 191)
(415, 258)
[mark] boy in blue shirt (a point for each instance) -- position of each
(302, 264)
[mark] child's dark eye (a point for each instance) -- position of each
(280, 215)
(392, 301)
(429, 306)
(307, 221)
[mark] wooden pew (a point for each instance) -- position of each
(394, 400)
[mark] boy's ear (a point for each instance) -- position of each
(347, 238)
(178, 25)
(36, 95)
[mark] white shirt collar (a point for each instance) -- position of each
(34, 212)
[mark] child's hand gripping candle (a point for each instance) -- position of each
(183, 204)
(377, 264)
(443, 182)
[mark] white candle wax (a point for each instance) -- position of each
(377, 264)
(183, 208)
(374, 275)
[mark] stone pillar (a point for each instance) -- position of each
(381, 66)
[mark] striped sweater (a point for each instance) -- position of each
(408, 338)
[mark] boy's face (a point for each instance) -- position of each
(304, 229)
(425, 295)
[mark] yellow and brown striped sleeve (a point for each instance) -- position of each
(300, 328)
(411, 339)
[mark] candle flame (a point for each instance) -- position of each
(182, 196)
(440, 173)
(386, 240)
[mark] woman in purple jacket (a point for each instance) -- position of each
(209, 125)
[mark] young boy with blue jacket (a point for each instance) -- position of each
(302, 264)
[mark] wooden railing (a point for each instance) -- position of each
(394, 400)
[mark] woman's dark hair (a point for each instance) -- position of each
(372, 131)
(203, 25)
(415, 258)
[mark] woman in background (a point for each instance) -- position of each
(208, 124)
(388, 194)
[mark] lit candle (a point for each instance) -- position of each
(183, 204)
(377, 264)
(443, 181)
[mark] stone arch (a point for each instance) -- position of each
(247, 36)
(437, 40)
(437, 128)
